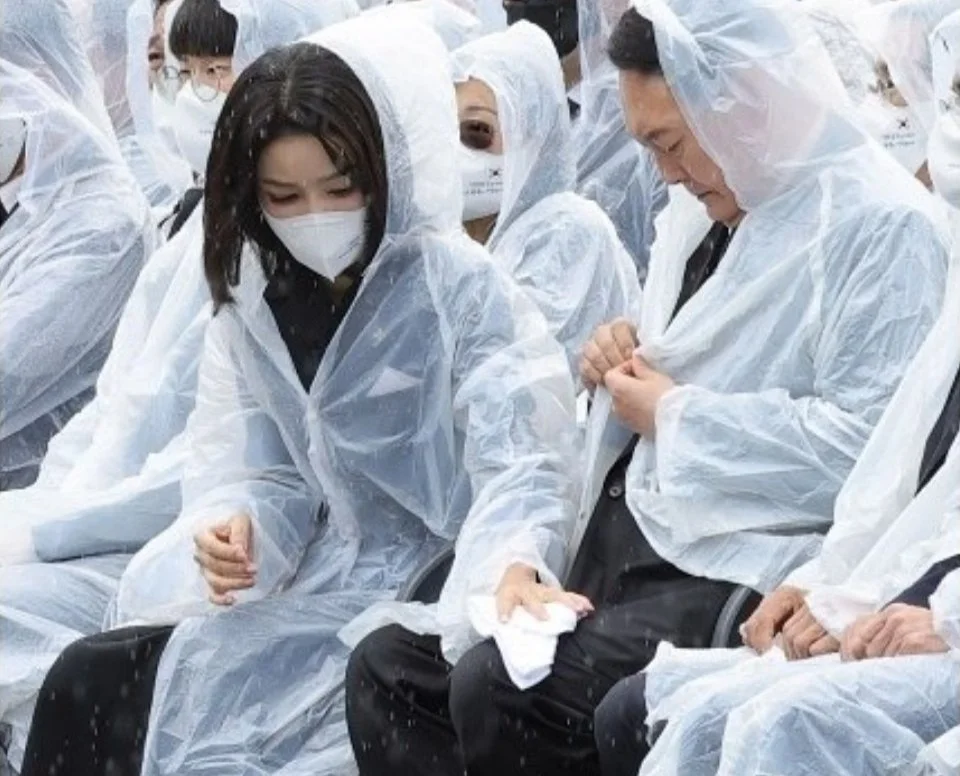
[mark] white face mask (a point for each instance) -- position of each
(898, 130)
(482, 176)
(327, 243)
(944, 159)
(194, 122)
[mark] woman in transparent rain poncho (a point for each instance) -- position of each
(612, 169)
(75, 234)
(518, 177)
(849, 33)
(111, 478)
(430, 404)
(885, 585)
(785, 358)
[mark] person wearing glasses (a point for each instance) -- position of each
(518, 176)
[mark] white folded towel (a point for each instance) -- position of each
(527, 645)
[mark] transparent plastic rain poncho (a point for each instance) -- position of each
(110, 481)
(897, 127)
(842, 271)
(104, 28)
(882, 540)
(561, 249)
(69, 256)
(613, 170)
(900, 32)
(442, 411)
(455, 25)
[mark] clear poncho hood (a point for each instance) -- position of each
(416, 106)
(43, 39)
(757, 88)
(521, 66)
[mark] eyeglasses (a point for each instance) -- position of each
(206, 82)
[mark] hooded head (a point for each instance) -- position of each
(332, 150)
(944, 146)
(737, 100)
(57, 145)
(42, 39)
(899, 31)
(528, 122)
(216, 39)
(879, 105)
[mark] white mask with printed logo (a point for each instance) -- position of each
(482, 175)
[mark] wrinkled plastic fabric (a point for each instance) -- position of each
(843, 273)
(883, 538)
(69, 256)
(43, 608)
(105, 39)
(613, 170)
(442, 411)
(730, 712)
(560, 248)
(43, 39)
(901, 130)
(900, 31)
(261, 24)
(455, 25)
(942, 757)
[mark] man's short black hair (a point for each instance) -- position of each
(202, 28)
(633, 45)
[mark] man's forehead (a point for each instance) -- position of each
(649, 107)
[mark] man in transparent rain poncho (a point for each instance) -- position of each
(883, 594)
(111, 478)
(436, 408)
(75, 233)
(612, 169)
(765, 359)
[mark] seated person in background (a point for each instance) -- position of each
(110, 481)
(373, 387)
(767, 355)
(75, 231)
(894, 543)
(518, 178)
(613, 170)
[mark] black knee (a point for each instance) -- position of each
(373, 668)
(619, 727)
(481, 697)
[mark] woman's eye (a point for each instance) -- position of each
(285, 200)
(341, 193)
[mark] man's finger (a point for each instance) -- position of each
(879, 643)
(807, 639)
(827, 645)
(216, 548)
(608, 347)
(596, 358)
(225, 568)
(624, 335)
(240, 536)
(221, 585)
(590, 375)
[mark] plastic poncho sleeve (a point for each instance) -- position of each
(59, 309)
(945, 605)
(513, 396)
(238, 465)
(796, 451)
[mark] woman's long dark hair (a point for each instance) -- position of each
(298, 89)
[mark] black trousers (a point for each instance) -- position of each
(92, 712)
(411, 712)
